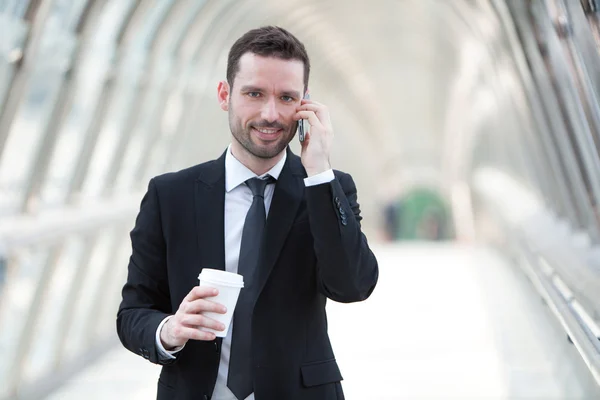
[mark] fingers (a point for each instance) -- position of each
(198, 320)
(202, 305)
(310, 116)
(185, 324)
(188, 333)
(309, 101)
(317, 144)
(319, 109)
(176, 332)
(199, 292)
(311, 105)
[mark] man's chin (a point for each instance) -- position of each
(268, 149)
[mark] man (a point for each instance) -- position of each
(310, 248)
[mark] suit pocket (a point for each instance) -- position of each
(320, 373)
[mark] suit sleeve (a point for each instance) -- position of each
(145, 297)
(347, 270)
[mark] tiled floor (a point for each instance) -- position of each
(445, 322)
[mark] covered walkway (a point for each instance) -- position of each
(445, 322)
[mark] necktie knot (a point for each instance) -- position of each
(258, 185)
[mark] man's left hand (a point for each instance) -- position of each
(317, 144)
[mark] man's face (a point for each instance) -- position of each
(262, 102)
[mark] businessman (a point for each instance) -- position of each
(290, 225)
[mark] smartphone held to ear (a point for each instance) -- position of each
(303, 124)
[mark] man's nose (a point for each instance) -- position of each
(269, 111)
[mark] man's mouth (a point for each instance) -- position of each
(267, 133)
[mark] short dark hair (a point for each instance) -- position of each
(267, 41)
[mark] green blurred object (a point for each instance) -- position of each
(421, 214)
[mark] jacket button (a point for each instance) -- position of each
(344, 222)
(337, 201)
(342, 212)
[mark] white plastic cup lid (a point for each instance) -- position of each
(221, 277)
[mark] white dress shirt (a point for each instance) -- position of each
(238, 199)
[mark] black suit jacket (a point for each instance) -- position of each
(314, 250)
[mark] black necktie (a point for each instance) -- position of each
(240, 376)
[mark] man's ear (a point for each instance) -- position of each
(223, 95)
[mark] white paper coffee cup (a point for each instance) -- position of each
(229, 286)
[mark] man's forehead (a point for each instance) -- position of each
(250, 58)
(270, 70)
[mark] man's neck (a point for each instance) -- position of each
(255, 164)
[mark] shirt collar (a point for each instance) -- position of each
(237, 173)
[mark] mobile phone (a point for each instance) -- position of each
(303, 124)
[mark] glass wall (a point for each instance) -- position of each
(83, 92)
(549, 158)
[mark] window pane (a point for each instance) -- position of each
(147, 129)
(97, 59)
(49, 329)
(114, 139)
(112, 293)
(77, 342)
(16, 302)
(111, 133)
(25, 137)
(12, 40)
(15, 8)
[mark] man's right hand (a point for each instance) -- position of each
(185, 324)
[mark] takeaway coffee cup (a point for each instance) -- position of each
(229, 285)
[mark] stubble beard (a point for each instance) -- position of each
(243, 136)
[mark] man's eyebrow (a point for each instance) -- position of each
(291, 93)
(249, 88)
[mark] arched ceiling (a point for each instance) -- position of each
(386, 69)
(407, 82)
(390, 71)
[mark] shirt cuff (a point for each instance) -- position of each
(323, 177)
(161, 349)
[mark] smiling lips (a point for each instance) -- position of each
(267, 134)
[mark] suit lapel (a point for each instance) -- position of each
(287, 197)
(210, 214)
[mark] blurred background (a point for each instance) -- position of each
(472, 130)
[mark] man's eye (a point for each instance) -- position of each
(253, 94)
(287, 99)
